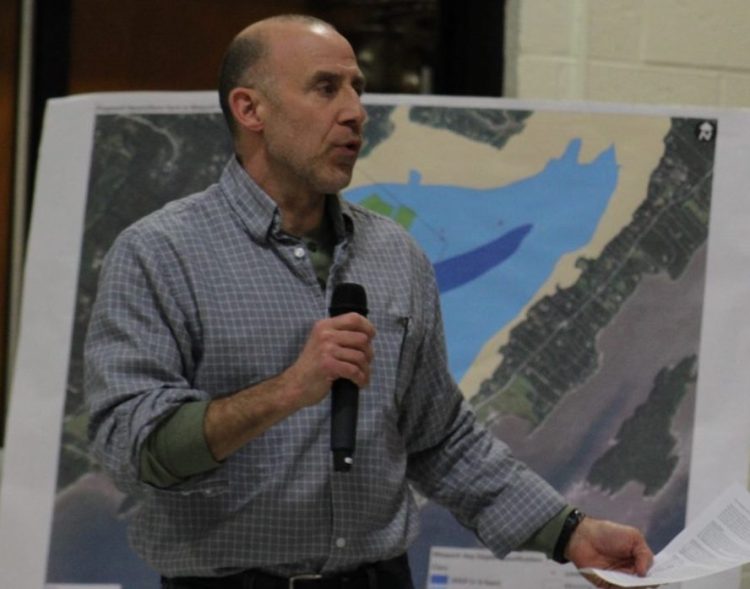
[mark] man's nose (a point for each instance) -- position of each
(353, 112)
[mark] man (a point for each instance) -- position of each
(210, 357)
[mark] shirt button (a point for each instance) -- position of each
(340, 542)
(299, 252)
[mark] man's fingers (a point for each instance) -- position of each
(346, 344)
(353, 322)
(341, 347)
(644, 559)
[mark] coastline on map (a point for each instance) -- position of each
(639, 145)
(664, 316)
(631, 191)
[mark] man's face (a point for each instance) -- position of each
(313, 115)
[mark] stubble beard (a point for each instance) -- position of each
(329, 176)
(324, 173)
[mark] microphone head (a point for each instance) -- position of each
(348, 297)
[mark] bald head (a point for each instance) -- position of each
(245, 61)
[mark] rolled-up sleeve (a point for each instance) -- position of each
(139, 355)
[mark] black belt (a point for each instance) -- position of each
(387, 574)
(365, 578)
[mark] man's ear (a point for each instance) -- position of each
(244, 103)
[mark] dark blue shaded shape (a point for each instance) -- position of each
(458, 270)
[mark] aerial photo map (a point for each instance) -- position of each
(570, 253)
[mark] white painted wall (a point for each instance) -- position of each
(673, 52)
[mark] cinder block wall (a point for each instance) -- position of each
(674, 52)
(686, 52)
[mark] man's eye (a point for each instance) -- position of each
(327, 89)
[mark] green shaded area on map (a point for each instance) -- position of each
(403, 215)
(648, 428)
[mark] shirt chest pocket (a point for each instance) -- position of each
(394, 350)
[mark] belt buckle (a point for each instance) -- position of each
(312, 577)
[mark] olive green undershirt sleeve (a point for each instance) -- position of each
(177, 449)
(545, 538)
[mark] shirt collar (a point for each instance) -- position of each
(260, 214)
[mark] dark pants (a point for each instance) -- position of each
(387, 574)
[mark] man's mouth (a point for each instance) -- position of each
(350, 147)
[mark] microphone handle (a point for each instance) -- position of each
(344, 408)
(346, 297)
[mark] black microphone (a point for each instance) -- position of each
(347, 297)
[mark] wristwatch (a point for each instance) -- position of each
(570, 524)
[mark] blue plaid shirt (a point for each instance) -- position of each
(208, 296)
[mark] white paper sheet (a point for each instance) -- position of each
(715, 541)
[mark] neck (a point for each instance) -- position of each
(300, 216)
(301, 210)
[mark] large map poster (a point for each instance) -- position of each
(570, 255)
(571, 250)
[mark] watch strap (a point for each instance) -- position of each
(570, 524)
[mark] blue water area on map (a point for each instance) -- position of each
(463, 268)
(494, 248)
